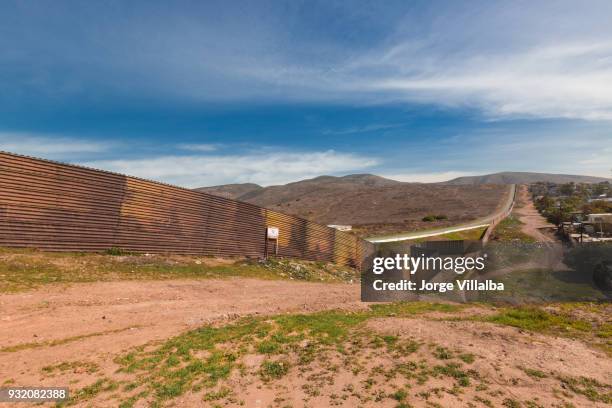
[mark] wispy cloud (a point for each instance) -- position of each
(50, 146)
(268, 169)
(198, 147)
(374, 127)
(560, 81)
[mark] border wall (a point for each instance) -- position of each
(59, 207)
(487, 235)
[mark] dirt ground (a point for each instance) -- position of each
(504, 355)
(54, 335)
(534, 224)
(99, 320)
(501, 374)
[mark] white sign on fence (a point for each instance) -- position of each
(272, 233)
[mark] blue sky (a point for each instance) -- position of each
(203, 93)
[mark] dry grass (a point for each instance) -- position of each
(23, 269)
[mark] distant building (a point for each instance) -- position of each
(595, 218)
(599, 223)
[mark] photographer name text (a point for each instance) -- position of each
(441, 287)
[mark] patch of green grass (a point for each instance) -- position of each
(90, 391)
(533, 404)
(538, 320)
(468, 235)
(114, 251)
(129, 402)
(399, 395)
(509, 230)
(177, 365)
(86, 366)
(467, 358)
(511, 403)
(273, 369)
(217, 395)
(474, 234)
(588, 387)
(326, 327)
(534, 373)
(268, 347)
(22, 269)
(484, 401)
(453, 370)
(442, 353)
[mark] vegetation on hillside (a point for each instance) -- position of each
(431, 217)
(373, 205)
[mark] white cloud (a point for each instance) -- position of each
(541, 80)
(550, 60)
(199, 147)
(49, 146)
(560, 81)
(265, 169)
(427, 177)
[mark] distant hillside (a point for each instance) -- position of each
(509, 177)
(371, 204)
(233, 191)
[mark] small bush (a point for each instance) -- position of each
(399, 395)
(467, 358)
(268, 347)
(115, 251)
(432, 217)
(443, 353)
(274, 369)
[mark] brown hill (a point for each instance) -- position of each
(375, 205)
(519, 177)
(232, 191)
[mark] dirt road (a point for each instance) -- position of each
(96, 321)
(534, 222)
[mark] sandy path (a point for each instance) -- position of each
(531, 218)
(120, 315)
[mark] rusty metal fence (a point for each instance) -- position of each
(494, 222)
(60, 207)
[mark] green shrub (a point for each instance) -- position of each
(115, 251)
(274, 369)
(432, 217)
